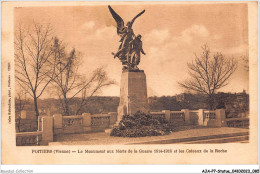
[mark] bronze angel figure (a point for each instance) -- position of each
(131, 45)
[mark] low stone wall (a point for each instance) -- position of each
(72, 124)
(39, 137)
(238, 122)
(209, 118)
(177, 118)
(113, 117)
(28, 138)
(194, 117)
(84, 123)
(158, 114)
(100, 122)
(200, 117)
(58, 124)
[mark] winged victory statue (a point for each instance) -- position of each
(130, 48)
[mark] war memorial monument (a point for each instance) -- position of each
(133, 87)
(132, 115)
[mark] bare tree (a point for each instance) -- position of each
(33, 50)
(70, 84)
(98, 80)
(20, 101)
(209, 73)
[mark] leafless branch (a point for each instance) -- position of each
(208, 74)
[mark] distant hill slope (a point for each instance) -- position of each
(236, 104)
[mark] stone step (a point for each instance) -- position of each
(198, 139)
(220, 140)
(246, 141)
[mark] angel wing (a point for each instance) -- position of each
(137, 17)
(118, 19)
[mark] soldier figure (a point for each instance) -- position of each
(137, 47)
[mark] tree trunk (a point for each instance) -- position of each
(36, 106)
(36, 109)
(211, 102)
(20, 105)
(66, 111)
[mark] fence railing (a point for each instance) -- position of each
(42, 136)
(177, 114)
(100, 122)
(28, 138)
(238, 122)
(209, 115)
(177, 117)
(72, 124)
(58, 124)
(193, 117)
(157, 115)
(83, 123)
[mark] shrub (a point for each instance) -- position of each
(141, 125)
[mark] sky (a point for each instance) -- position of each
(171, 35)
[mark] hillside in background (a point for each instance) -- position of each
(236, 104)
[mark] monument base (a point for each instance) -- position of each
(133, 93)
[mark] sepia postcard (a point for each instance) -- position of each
(129, 82)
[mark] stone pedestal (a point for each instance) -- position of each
(133, 93)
